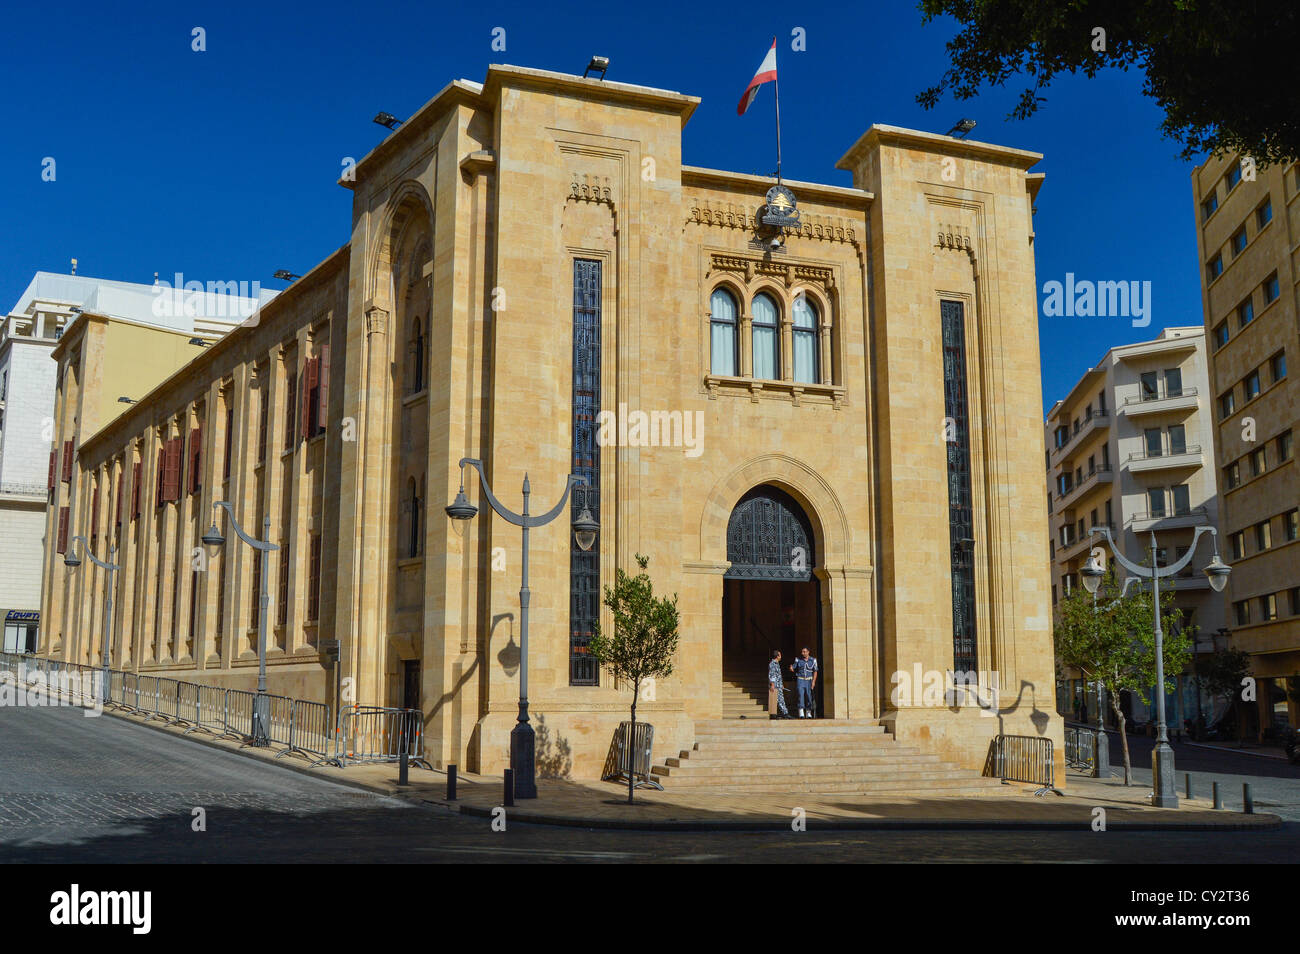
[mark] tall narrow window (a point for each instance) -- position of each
(722, 333)
(255, 616)
(413, 519)
(282, 609)
(290, 407)
(767, 338)
(230, 440)
(264, 412)
(416, 347)
(807, 363)
(960, 518)
(313, 579)
(584, 565)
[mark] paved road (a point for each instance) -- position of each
(74, 789)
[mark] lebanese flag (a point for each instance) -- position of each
(766, 74)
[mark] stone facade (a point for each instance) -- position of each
(447, 327)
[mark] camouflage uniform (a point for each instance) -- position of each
(774, 679)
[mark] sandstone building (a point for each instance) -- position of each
(528, 253)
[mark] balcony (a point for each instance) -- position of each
(1170, 520)
(1097, 478)
(1162, 401)
(1076, 545)
(1097, 420)
(1146, 463)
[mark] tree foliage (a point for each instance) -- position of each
(1216, 68)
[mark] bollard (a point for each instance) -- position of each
(1187, 777)
(451, 783)
(402, 768)
(510, 788)
(1218, 802)
(1247, 800)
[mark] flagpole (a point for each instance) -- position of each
(777, 97)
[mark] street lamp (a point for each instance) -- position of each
(585, 529)
(1216, 571)
(213, 538)
(72, 561)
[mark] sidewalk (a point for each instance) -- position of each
(592, 804)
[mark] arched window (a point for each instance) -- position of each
(416, 346)
(722, 332)
(807, 351)
(767, 339)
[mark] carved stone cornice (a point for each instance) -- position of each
(786, 273)
(957, 238)
(589, 188)
(827, 228)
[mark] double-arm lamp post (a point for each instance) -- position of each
(585, 528)
(72, 560)
(213, 538)
(1162, 757)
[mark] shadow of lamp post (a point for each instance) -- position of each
(213, 538)
(1163, 794)
(585, 528)
(72, 561)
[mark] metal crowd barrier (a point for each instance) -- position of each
(209, 710)
(309, 730)
(621, 760)
(237, 719)
(1022, 758)
(1080, 747)
(379, 734)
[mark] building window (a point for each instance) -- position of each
(1263, 536)
(1258, 462)
(1233, 176)
(767, 339)
(230, 442)
(264, 413)
(255, 604)
(1177, 439)
(415, 347)
(807, 348)
(196, 459)
(1182, 500)
(1156, 501)
(1173, 382)
(1294, 594)
(1241, 612)
(414, 518)
(960, 516)
(1152, 436)
(282, 609)
(290, 407)
(723, 335)
(221, 607)
(1250, 385)
(1220, 334)
(584, 566)
(1150, 385)
(1238, 241)
(1209, 206)
(1232, 475)
(1215, 267)
(1227, 403)
(1291, 525)
(1271, 289)
(1245, 315)
(313, 579)
(1284, 446)
(1268, 608)
(1264, 214)
(1277, 366)
(1237, 545)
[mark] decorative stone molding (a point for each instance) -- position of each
(829, 228)
(787, 274)
(955, 237)
(589, 188)
(377, 321)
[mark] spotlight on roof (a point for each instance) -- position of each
(598, 64)
(963, 126)
(387, 119)
(125, 400)
(198, 342)
(285, 275)
(76, 310)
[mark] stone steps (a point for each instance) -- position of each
(777, 762)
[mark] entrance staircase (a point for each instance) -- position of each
(762, 756)
(744, 688)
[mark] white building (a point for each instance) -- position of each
(27, 384)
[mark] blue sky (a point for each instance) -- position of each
(222, 164)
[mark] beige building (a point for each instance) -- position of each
(530, 254)
(1129, 448)
(1248, 237)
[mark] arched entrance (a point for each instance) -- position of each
(770, 598)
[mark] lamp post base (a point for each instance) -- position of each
(522, 760)
(261, 719)
(1163, 794)
(1101, 757)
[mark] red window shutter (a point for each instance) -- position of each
(67, 461)
(117, 509)
(172, 470)
(323, 395)
(196, 458)
(62, 546)
(54, 455)
(137, 477)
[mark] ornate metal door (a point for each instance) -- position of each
(769, 538)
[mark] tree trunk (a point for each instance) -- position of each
(631, 752)
(1123, 737)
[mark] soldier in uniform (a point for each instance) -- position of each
(774, 682)
(805, 674)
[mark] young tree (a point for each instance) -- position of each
(1201, 59)
(644, 640)
(1111, 640)
(1222, 673)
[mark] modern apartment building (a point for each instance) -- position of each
(1130, 448)
(1248, 237)
(159, 332)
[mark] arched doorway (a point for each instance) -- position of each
(770, 598)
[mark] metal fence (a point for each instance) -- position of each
(623, 759)
(379, 734)
(310, 731)
(1022, 758)
(1080, 747)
